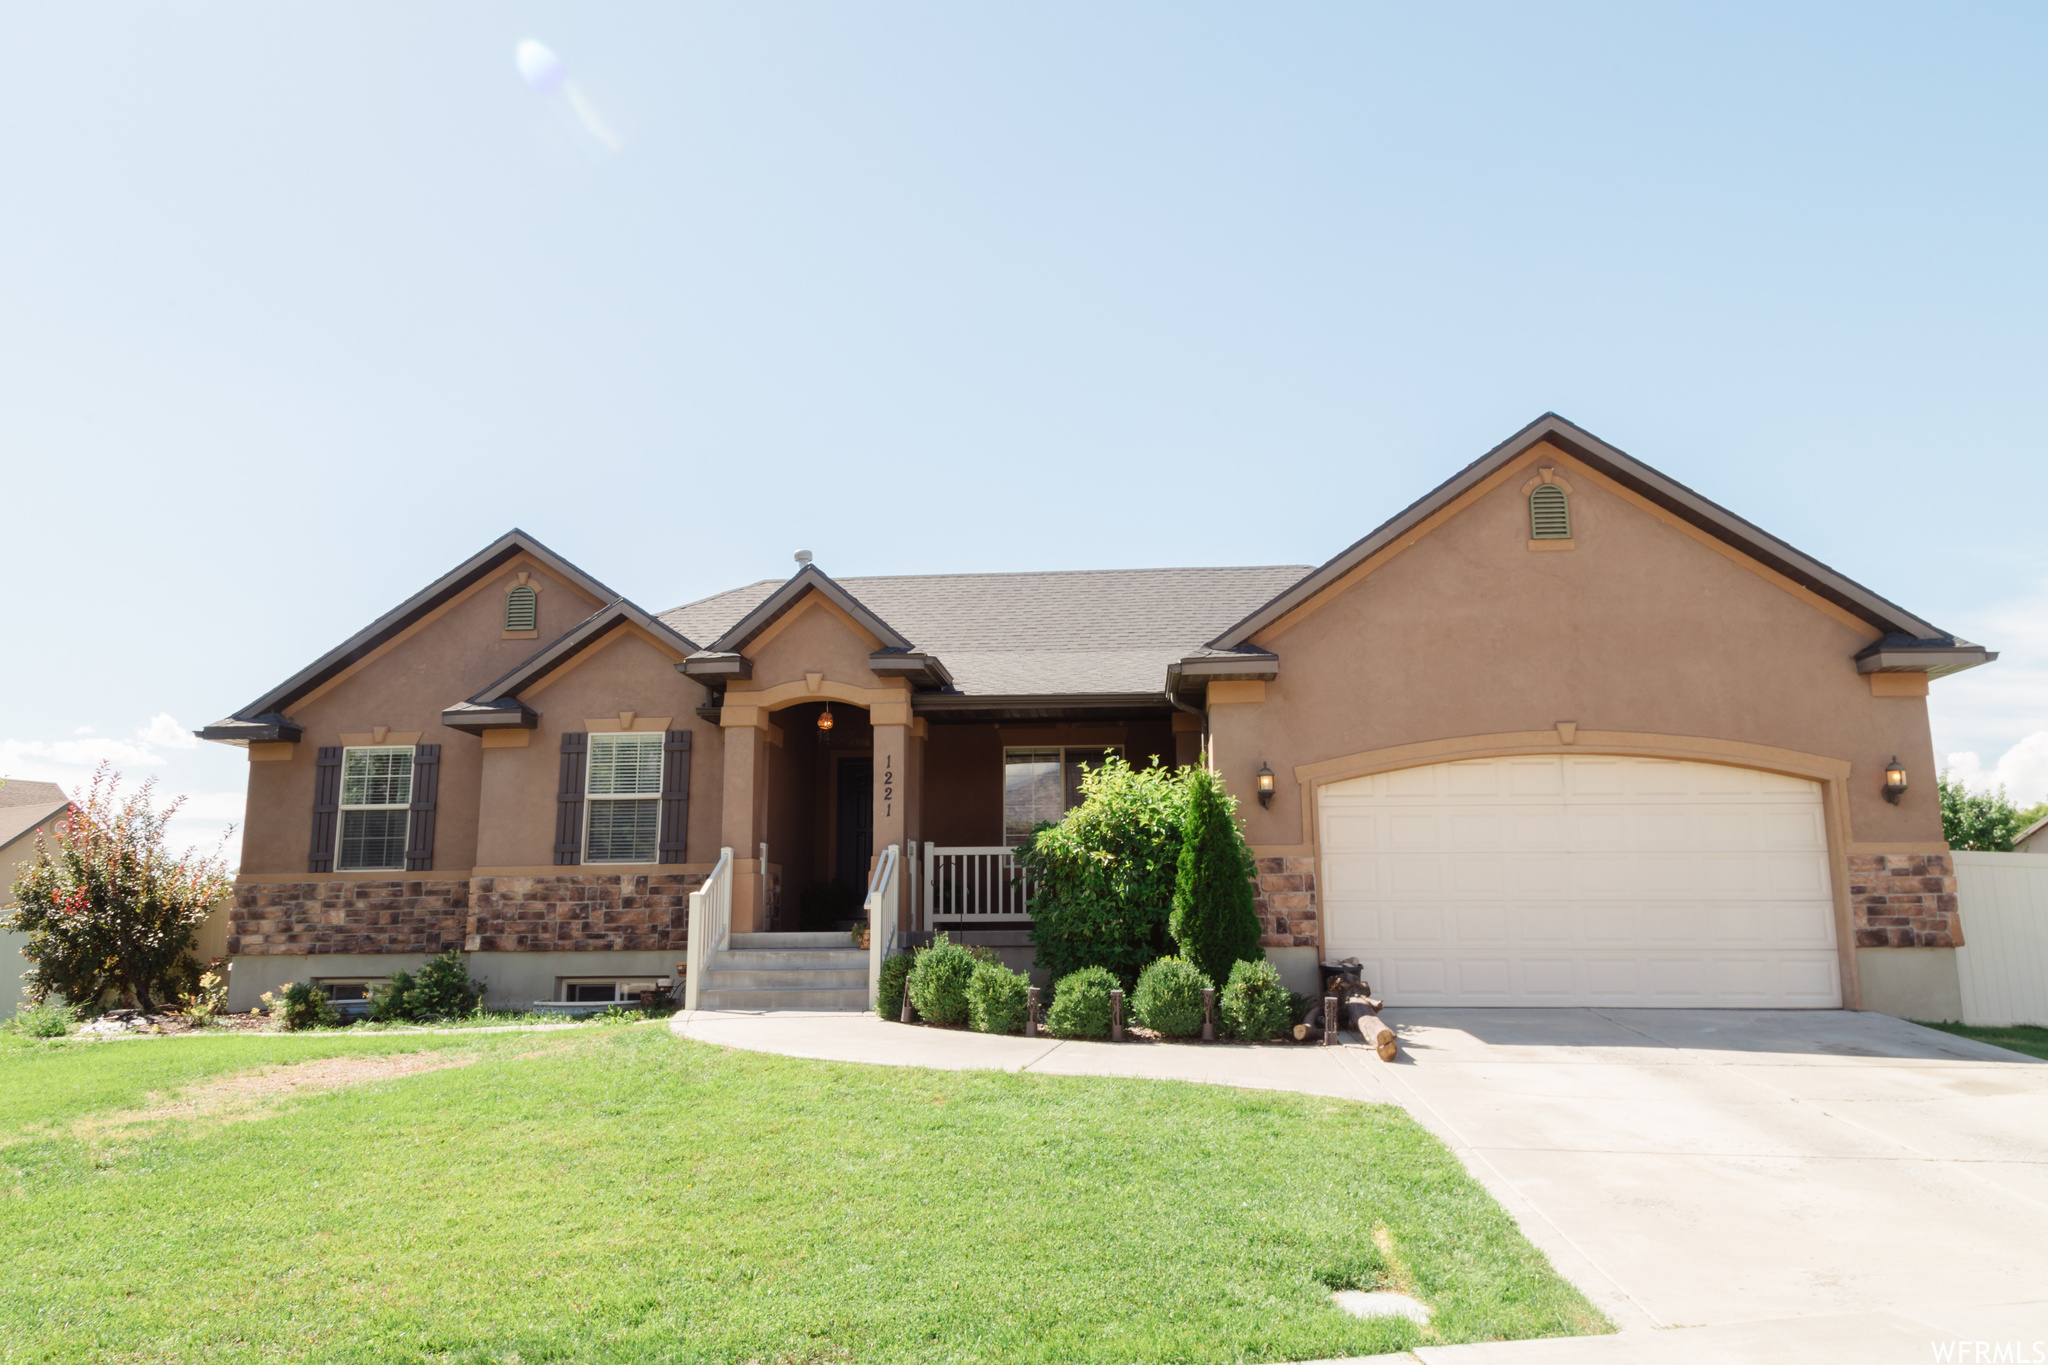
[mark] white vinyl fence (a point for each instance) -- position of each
(2003, 963)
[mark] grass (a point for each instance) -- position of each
(2017, 1037)
(620, 1194)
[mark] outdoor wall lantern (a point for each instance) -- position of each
(1894, 781)
(825, 723)
(1265, 785)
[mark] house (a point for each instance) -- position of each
(26, 809)
(2032, 839)
(1561, 732)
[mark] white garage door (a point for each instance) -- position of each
(1582, 880)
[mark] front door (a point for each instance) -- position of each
(856, 807)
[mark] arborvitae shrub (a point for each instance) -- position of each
(1254, 1004)
(889, 990)
(1214, 921)
(1080, 1004)
(1169, 997)
(995, 998)
(938, 981)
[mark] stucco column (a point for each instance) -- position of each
(746, 786)
(891, 721)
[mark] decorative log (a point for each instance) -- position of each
(1116, 1016)
(1329, 1020)
(1030, 1010)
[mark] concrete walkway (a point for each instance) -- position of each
(1761, 1185)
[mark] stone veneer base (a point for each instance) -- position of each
(1904, 900)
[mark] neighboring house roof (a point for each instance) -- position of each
(264, 719)
(498, 707)
(26, 806)
(16, 792)
(2030, 831)
(1943, 652)
(1090, 632)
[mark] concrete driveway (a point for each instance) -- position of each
(1703, 1167)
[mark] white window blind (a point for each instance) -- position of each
(623, 793)
(376, 792)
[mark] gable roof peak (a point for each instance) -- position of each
(809, 578)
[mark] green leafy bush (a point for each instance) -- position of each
(1080, 1004)
(45, 1019)
(1169, 997)
(889, 990)
(1980, 822)
(1214, 920)
(1254, 1004)
(443, 989)
(938, 981)
(208, 1000)
(1102, 878)
(996, 1000)
(301, 1005)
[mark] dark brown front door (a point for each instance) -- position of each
(856, 805)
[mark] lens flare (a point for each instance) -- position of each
(546, 74)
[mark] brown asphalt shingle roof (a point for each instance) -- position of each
(1086, 631)
(24, 805)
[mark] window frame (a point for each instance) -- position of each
(653, 739)
(620, 996)
(1088, 753)
(343, 807)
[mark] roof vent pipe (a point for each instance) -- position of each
(803, 556)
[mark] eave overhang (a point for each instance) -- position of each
(709, 668)
(503, 713)
(1235, 665)
(922, 670)
(1936, 657)
(267, 729)
(1111, 706)
(498, 706)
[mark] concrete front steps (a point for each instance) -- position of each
(786, 972)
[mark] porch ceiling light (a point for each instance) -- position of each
(825, 722)
(1894, 781)
(1265, 784)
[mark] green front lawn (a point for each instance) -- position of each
(619, 1194)
(2018, 1038)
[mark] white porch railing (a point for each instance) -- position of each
(977, 885)
(881, 908)
(710, 925)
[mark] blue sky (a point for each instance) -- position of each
(298, 307)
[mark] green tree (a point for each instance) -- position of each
(1102, 878)
(105, 904)
(1978, 822)
(1213, 919)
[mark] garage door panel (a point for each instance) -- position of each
(1582, 879)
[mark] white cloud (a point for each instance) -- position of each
(68, 760)
(2022, 770)
(166, 733)
(83, 730)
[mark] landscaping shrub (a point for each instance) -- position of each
(1102, 878)
(44, 1019)
(1169, 997)
(1213, 920)
(443, 989)
(996, 1000)
(1080, 1004)
(938, 981)
(301, 1005)
(1254, 1004)
(208, 1000)
(889, 990)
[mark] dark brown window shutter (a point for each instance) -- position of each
(569, 804)
(326, 801)
(426, 782)
(675, 795)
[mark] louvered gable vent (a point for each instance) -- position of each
(1550, 516)
(521, 608)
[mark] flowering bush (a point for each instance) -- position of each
(105, 904)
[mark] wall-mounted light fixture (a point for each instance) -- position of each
(1265, 785)
(1894, 781)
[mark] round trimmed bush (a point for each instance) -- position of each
(996, 1002)
(938, 981)
(889, 990)
(1080, 1004)
(1169, 997)
(1254, 1005)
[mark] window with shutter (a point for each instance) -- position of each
(569, 804)
(426, 786)
(326, 801)
(522, 608)
(376, 808)
(1550, 515)
(675, 795)
(624, 798)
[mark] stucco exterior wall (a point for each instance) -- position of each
(404, 685)
(1639, 628)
